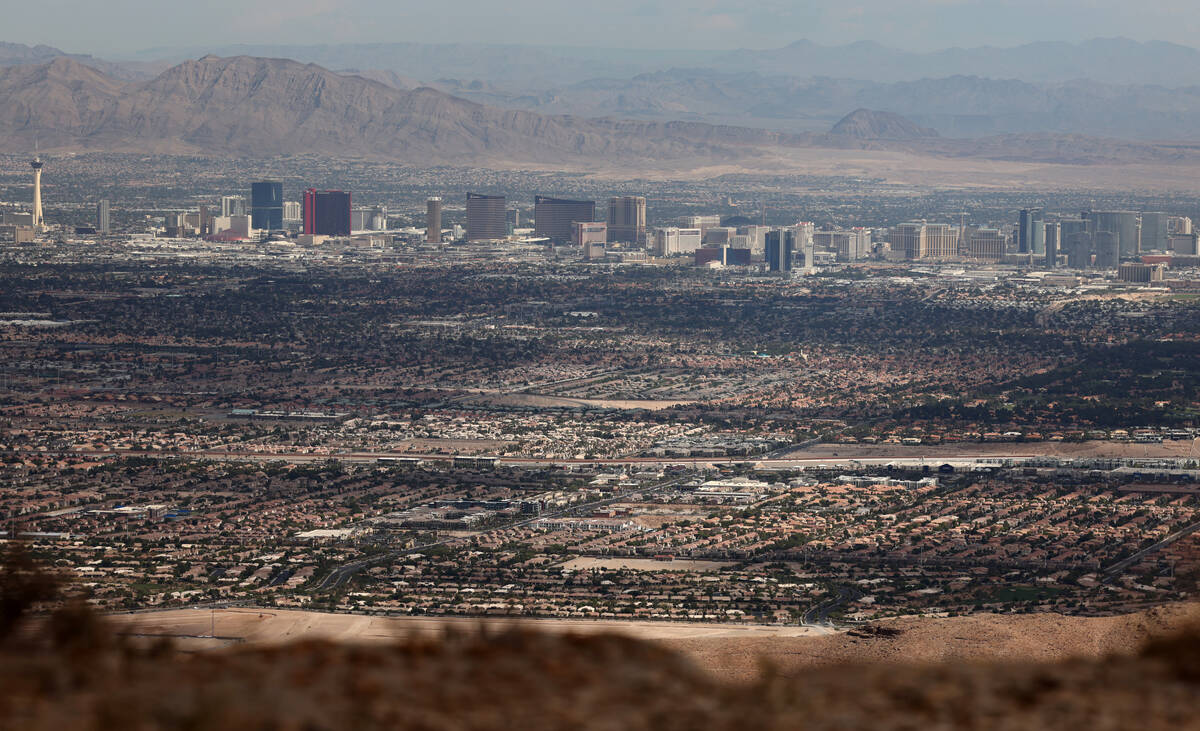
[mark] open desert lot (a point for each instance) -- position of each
(268, 626)
(967, 450)
(733, 652)
(585, 563)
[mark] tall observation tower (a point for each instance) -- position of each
(39, 223)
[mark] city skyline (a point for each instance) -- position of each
(368, 365)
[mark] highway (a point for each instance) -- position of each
(769, 461)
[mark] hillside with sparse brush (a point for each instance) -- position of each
(70, 670)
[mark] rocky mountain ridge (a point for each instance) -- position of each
(260, 107)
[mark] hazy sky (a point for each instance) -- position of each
(115, 27)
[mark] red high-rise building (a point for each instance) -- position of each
(310, 211)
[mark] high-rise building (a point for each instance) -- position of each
(781, 249)
(326, 213)
(907, 240)
(266, 205)
(723, 255)
(1107, 245)
(309, 204)
(941, 241)
(665, 241)
(720, 235)
(204, 221)
(804, 233)
(847, 245)
(1031, 232)
(233, 205)
(671, 241)
(103, 225)
(1074, 240)
(1155, 230)
(39, 222)
(704, 223)
(433, 220)
(1071, 226)
(585, 233)
(627, 219)
(808, 252)
(1136, 271)
(1078, 245)
(1184, 244)
(291, 211)
(986, 244)
(1053, 232)
(593, 251)
(1122, 224)
(486, 217)
(756, 238)
(369, 218)
(1179, 225)
(920, 240)
(553, 217)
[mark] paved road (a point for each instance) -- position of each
(910, 460)
(1118, 568)
(818, 615)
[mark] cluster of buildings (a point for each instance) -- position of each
(1093, 239)
(562, 221)
(320, 214)
(618, 542)
(559, 220)
(1136, 245)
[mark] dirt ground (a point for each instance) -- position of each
(644, 564)
(1100, 449)
(730, 652)
(977, 638)
(272, 626)
(539, 400)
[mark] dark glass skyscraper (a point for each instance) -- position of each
(1123, 224)
(1031, 232)
(486, 217)
(781, 247)
(552, 217)
(326, 213)
(266, 205)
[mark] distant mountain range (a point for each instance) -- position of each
(1111, 60)
(245, 106)
(868, 124)
(258, 106)
(955, 106)
(1107, 88)
(19, 54)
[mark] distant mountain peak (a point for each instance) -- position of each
(870, 124)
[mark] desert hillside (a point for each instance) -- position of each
(78, 676)
(733, 653)
(62, 666)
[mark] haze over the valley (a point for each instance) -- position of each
(755, 89)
